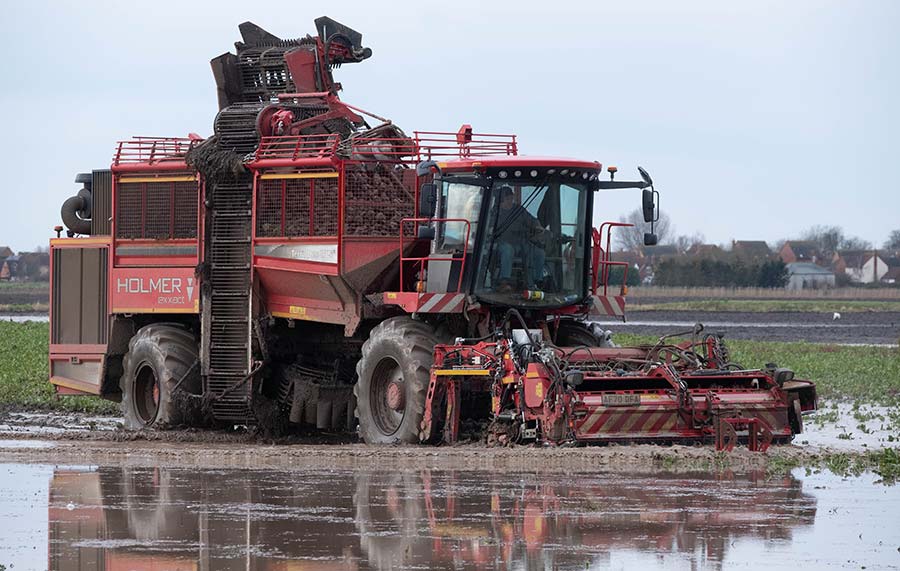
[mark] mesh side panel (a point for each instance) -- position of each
(326, 207)
(268, 208)
(129, 211)
(296, 207)
(376, 200)
(157, 210)
(186, 197)
(158, 216)
(298, 196)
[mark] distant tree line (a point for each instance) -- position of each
(616, 274)
(713, 273)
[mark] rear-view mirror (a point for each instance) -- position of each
(650, 239)
(648, 206)
(427, 199)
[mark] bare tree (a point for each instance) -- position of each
(633, 238)
(827, 238)
(893, 241)
(684, 242)
(830, 239)
(855, 243)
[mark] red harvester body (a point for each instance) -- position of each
(312, 262)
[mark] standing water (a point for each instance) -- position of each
(159, 518)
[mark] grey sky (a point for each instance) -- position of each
(756, 119)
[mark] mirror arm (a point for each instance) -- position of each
(616, 184)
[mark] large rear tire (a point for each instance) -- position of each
(159, 356)
(394, 373)
(575, 334)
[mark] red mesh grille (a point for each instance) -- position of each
(286, 207)
(296, 206)
(268, 208)
(326, 207)
(376, 199)
(159, 203)
(156, 210)
(129, 211)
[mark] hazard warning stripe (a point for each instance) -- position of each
(440, 302)
(613, 305)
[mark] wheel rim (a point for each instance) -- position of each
(146, 394)
(387, 396)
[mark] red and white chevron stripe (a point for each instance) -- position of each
(427, 302)
(613, 305)
(441, 302)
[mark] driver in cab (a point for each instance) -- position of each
(519, 235)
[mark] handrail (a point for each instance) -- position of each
(422, 260)
(153, 150)
(606, 253)
(434, 144)
(293, 147)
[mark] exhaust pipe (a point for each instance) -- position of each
(76, 210)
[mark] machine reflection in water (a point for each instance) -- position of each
(116, 518)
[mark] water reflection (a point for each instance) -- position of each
(174, 519)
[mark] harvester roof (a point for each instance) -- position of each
(514, 161)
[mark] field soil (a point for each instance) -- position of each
(33, 294)
(876, 328)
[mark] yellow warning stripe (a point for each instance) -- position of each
(82, 386)
(133, 179)
(277, 176)
(462, 372)
(154, 310)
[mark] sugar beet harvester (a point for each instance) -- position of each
(312, 264)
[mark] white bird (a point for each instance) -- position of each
(836, 316)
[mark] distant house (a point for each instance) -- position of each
(707, 252)
(807, 275)
(10, 269)
(892, 277)
(5, 252)
(801, 251)
(754, 251)
(34, 266)
(655, 254)
(861, 266)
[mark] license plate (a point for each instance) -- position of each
(621, 400)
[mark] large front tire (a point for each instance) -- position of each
(394, 373)
(158, 357)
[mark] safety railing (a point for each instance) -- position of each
(421, 262)
(296, 147)
(602, 263)
(464, 144)
(401, 149)
(424, 145)
(153, 150)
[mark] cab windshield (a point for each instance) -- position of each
(533, 245)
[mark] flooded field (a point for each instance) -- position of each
(861, 328)
(121, 517)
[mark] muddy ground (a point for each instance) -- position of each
(876, 328)
(71, 438)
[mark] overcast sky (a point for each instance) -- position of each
(756, 119)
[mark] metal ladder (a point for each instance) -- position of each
(226, 330)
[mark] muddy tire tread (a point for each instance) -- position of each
(177, 353)
(418, 339)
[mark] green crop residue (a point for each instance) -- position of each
(24, 373)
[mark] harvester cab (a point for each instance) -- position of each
(516, 232)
